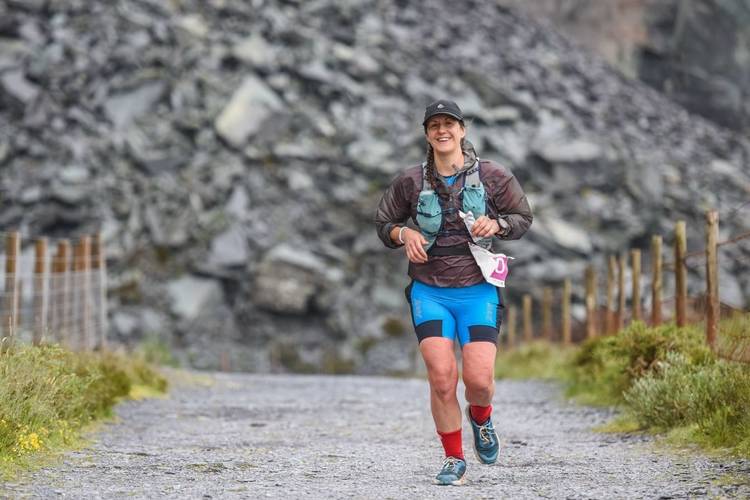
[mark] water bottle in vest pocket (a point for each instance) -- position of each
(474, 200)
(429, 213)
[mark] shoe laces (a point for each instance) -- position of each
(450, 463)
(486, 433)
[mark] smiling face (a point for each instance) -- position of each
(444, 133)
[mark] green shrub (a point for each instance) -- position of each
(713, 398)
(334, 364)
(47, 394)
(664, 378)
(533, 360)
(394, 327)
(156, 351)
(733, 340)
(604, 368)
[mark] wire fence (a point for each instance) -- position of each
(54, 294)
(645, 300)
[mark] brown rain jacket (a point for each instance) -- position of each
(505, 199)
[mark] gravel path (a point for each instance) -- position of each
(250, 436)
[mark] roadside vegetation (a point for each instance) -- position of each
(664, 379)
(49, 396)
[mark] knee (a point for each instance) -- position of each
(443, 386)
(479, 387)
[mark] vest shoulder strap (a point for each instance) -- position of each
(425, 182)
(472, 175)
(471, 178)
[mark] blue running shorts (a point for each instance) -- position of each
(472, 313)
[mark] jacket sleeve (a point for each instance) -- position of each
(394, 209)
(510, 201)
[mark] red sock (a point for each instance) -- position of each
(452, 444)
(480, 414)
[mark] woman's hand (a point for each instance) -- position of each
(414, 245)
(484, 227)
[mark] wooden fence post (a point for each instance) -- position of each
(512, 323)
(590, 302)
(81, 264)
(565, 312)
(76, 286)
(656, 280)
(19, 293)
(54, 296)
(609, 325)
(86, 336)
(41, 297)
(512, 320)
(680, 272)
(620, 317)
(99, 275)
(10, 312)
(547, 313)
(528, 332)
(635, 258)
(225, 360)
(712, 277)
(61, 302)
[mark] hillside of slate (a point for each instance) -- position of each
(233, 153)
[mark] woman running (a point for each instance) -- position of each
(448, 294)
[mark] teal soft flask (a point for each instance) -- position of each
(429, 215)
(474, 201)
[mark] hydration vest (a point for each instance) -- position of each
(430, 207)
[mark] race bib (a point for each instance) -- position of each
(494, 266)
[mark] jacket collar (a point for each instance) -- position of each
(470, 157)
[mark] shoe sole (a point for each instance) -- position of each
(457, 482)
(473, 441)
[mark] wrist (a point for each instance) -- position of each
(401, 234)
(504, 227)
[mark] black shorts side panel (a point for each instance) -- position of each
(482, 333)
(432, 328)
(407, 291)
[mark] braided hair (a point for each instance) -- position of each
(432, 175)
(431, 170)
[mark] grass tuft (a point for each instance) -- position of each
(620, 424)
(665, 379)
(540, 360)
(605, 367)
(156, 351)
(711, 401)
(49, 394)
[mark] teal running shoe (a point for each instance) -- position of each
(452, 472)
(486, 442)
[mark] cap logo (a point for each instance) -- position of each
(440, 106)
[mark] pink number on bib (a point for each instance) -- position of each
(501, 270)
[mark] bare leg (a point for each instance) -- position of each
(478, 369)
(442, 374)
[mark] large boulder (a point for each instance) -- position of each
(252, 104)
(288, 280)
(190, 295)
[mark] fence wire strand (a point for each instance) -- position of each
(68, 307)
(698, 307)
